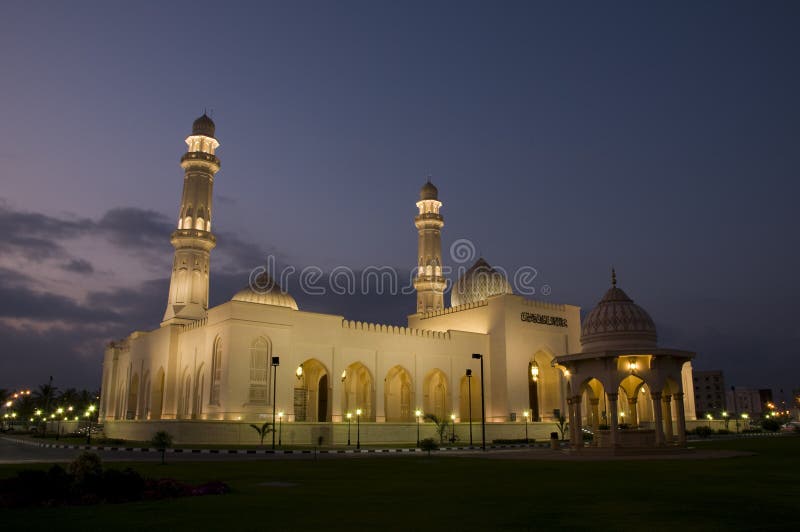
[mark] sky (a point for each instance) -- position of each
(660, 138)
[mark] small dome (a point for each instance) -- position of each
(265, 291)
(479, 283)
(204, 126)
(429, 192)
(617, 322)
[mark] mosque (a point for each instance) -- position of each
(206, 374)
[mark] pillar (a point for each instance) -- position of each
(612, 414)
(571, 416)
(659, 418)
(634, 418)
(595, 403)
(668, 418)
(681, 414)
(576, 401)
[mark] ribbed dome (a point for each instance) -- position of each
(265, 291)
(478, 283)
(617, 322)
(204, 126)
(428, 192)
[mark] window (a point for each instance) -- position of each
(216, 372)
(259, 362)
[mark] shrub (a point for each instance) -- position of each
(723, 431)
(162, 440)
(703, 431)
(772, 425)
(428, 444)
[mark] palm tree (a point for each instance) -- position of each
(441, 425)
(162, 440)
(263, 430)
(45, 396)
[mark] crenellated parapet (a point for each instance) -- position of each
(394, 330)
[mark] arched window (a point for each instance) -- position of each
(216, 372)
(259, 357)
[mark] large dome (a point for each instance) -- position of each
(265, 291)
(617, 322)
(479, 283)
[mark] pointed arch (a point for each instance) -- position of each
(133, 397)
(312, 392)
(359, 391)
(216, 372)
(398, 395)
(260, 352)
(157, 399)
(436, 396)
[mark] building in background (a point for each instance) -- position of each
(709, 393)
(744, 401)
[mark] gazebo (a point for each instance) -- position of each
(621, 361)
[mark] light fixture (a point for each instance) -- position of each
(344, 375)
(349, 415)
(280, 415)
(535, 371)
(418, 413)
(632, 365)
(358, 411)
(709, 417)
(566, 373)
(299, 371)
(453, 417)
(724, 414)
(526, 414)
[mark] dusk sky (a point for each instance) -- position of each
(662, 139)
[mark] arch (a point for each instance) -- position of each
(197, 403)
(216, 372)
(436, 399)
(185, 405)
(144, 413)
(594, 404)
(398, 395)
(359, 391)
(546, 389)
(133, 397)
(468, 388)
(311, 392)
(157, 398)
(260, 351)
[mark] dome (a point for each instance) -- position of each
(265, 291)
(429, 192)
(617, 322)
(479, 283)
(204, 126)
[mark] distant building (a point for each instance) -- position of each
(796, 403)
(744, 400)
(709, 392)
(765, 398)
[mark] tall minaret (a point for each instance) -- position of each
(193, 241)
(429, 282)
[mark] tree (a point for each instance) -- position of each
(441, 425)
(45, 396)
(562, 425)
(162, 440)
(263, 430)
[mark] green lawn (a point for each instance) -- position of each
(441, 493)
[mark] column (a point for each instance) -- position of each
(659, 421)
(634, 418)
(595, 415)
(668, 418)
(612, 414)
(571, 416)
(576, 401)
(681, 418)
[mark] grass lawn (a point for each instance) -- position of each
(760, 492)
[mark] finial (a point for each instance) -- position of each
(613, 277)
(429, 177)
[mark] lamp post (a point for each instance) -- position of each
(535, 391)
(452, 428)
(90, 415)
(358, 428)
(60, 412)
(349, 417)
(526, 414)
(276, 361)
(280, 429)
(478, 356)
(469, 399)
(725, 417)
(417, 414)
(709, 417)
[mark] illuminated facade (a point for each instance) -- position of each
(206, 373)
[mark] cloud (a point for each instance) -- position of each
(78, 266)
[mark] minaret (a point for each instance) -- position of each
(192, 240)
(429, 282)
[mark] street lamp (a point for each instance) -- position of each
(349, 417)
(534, 390)
(90, 415)
(478, 356)
(280, 429)
(526, 414)
(60, 411)
(709, 417)
(417, 414)
(453, 428)
(725, 417)
(469, 399)
(276, 361)
(358, 428)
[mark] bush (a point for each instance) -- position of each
(428, 444)
(723, 431)
(772, 425)
(703, 431)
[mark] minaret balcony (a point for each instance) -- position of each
(199, 156)
(188, 237)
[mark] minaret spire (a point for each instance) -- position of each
(429, 281)
(193, 240)
(613, 277)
